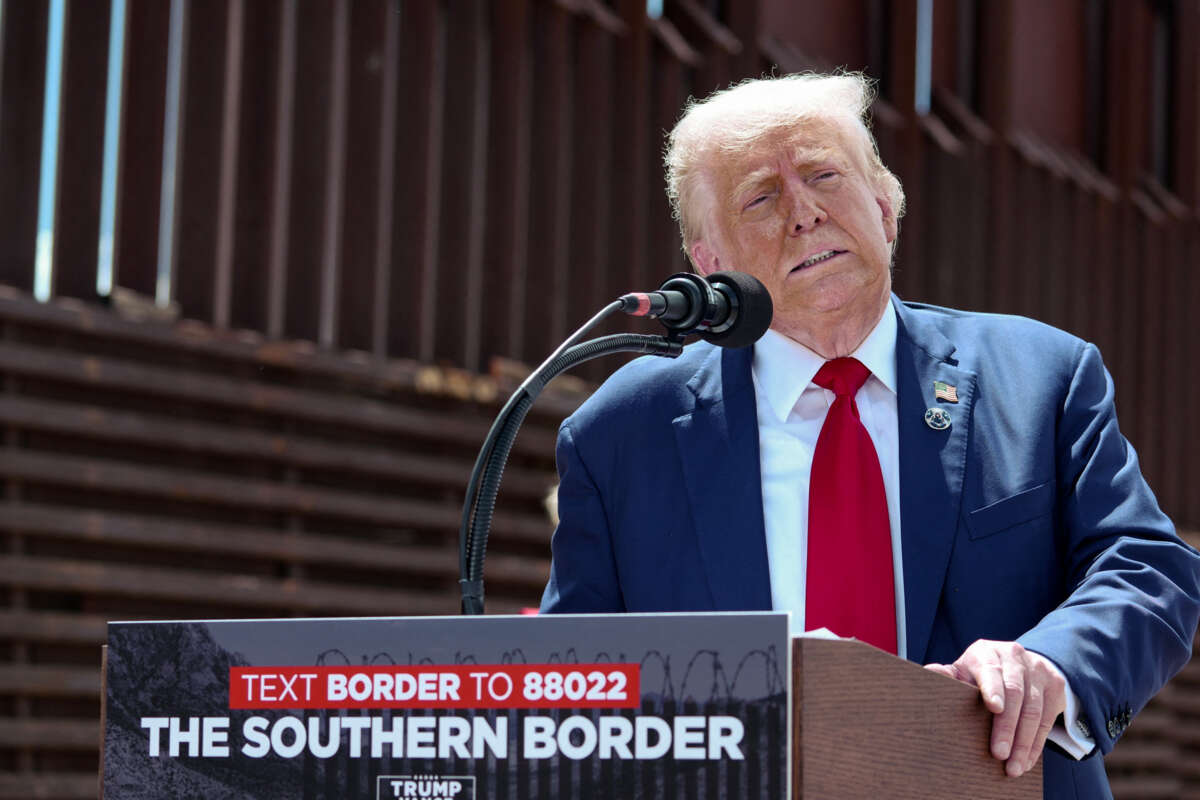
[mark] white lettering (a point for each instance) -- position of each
(642, 728)
(508, 688)
(356, 725)
(360, 686)
(393, 735)
(496, 739)
(615, 735)
(253, 731)
(453, 733)
(539, 737)
(287, 687)
(448, 684)
(725, 733)
(420, 737)
(189, 736)
(689, 738)
(215, 737)
(333, 737)
(155, 725)
(584, 748)
(282, 726)
(406, 686)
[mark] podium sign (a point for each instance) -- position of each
(631, 706)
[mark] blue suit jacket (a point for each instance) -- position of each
(1028, 519)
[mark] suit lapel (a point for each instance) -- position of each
(932, 465)
(718, 448)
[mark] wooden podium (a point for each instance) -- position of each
(178, 712)
(869, 725)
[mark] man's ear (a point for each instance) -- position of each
(890, 228)
(704, 258)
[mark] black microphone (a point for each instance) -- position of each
(730, 309)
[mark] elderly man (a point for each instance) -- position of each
(951, 487)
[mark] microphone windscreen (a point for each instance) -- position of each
(754, 310)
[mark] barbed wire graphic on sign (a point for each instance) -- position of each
(510, 656)
(668, 688)
(720, 684)
(569, 657)
(323, 656)
(774, 678)
(718, 671)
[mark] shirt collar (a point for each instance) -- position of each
(783, 368)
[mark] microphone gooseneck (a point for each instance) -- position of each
(730, 309)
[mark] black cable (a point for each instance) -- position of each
(480, 503)
(465, 525)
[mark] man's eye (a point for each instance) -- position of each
(762, 198)
(829, 173)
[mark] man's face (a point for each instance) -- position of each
(799, 213)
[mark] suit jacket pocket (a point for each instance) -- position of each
(1011, 511)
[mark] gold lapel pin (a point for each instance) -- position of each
(937, 418)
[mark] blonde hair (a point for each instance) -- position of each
(733, 120)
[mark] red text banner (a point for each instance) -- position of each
(437, 686)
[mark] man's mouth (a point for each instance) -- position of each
(817, 258)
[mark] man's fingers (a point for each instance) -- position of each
(990, 678)
(1004, 727)
(1029, 722)
(1039, 742)
(952, 671)
(1054, 702)
(1024, 691)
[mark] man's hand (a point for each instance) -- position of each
(1023, 690)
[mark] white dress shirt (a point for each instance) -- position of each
(791, 411)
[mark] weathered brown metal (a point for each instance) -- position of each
(22, 89)
(299, 404)
(510, 145)
(144, 85)
(386, 268)
(190, 586)
(1187, 101)
(412, 304)
(333, 191)
(635, 159)
(368, 172)
(308, 226)
(231, 105)
(243, 542)
(590, 284)
(80, 146)
(550, 190)
(459, 296)
(100, 424)
(282, 158)
(46, 681)
(52, 626)
(48, 733)
(203, 218)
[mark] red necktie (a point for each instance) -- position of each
(850, 588)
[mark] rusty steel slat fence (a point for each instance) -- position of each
(336, 194)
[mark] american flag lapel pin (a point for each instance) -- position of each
(944, 391)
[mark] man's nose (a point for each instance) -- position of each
(806, 213)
